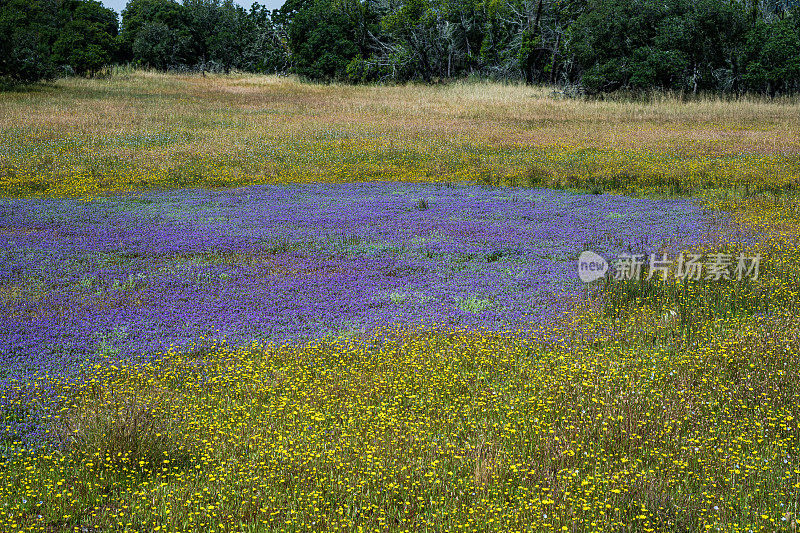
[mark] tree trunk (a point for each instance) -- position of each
(535, 24)
(449, 60)
(553, 67)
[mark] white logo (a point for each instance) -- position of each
(591, 266)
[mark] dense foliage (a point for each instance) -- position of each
(591, 46)
(41, 38)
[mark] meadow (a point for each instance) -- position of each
(144, 130)
(252, 304)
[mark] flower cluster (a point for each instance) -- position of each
(145, 272)
(409, 429)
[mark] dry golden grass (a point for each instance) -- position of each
(144, 129)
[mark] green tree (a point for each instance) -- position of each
(140, 13)
(672, 44)
(323, 39)
(417, 34)
(87, 41)
(229, 40)
(157, 46)
(773, 57)
(611, 43)
(27, 31)
(266, 49)
(202, 21)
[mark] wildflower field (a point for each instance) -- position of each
(250, 304)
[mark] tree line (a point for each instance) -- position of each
(589, 46)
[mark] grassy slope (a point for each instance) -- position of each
(639, 420)
(82, 137)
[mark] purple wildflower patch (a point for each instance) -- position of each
(140, 273)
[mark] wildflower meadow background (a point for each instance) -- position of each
(235, 303)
